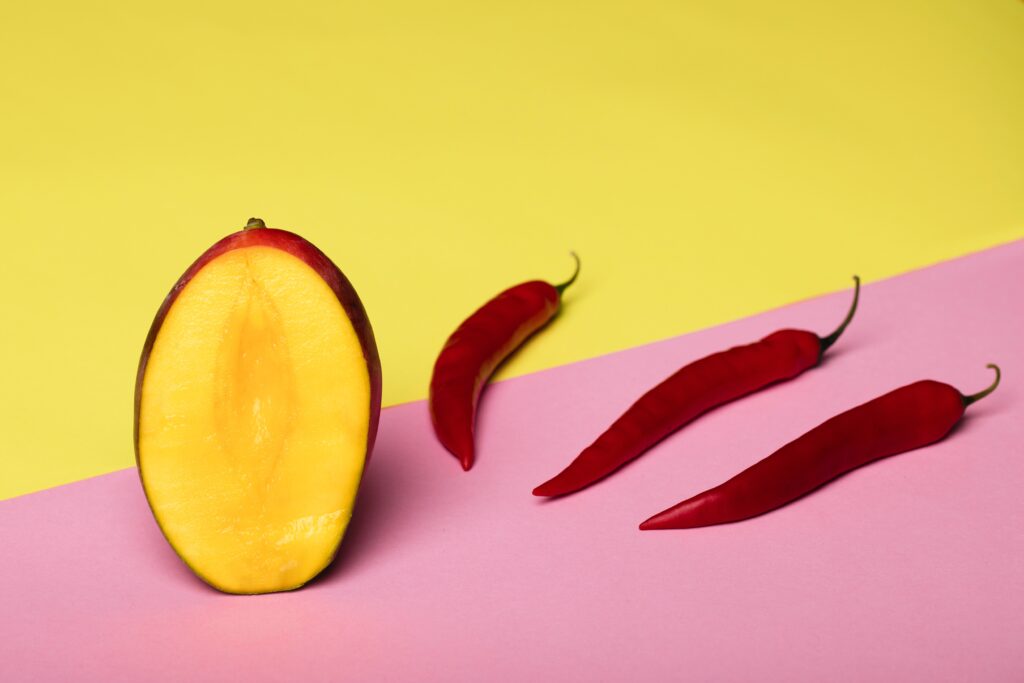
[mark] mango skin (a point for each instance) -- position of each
(346, 294)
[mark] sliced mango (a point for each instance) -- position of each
(257, 403)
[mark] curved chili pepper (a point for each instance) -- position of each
(476, 348)
(902, 420)
(693, 390)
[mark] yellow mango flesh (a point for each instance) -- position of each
(253, 422)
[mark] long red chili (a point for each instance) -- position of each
(693, 390)
(477, 348)
(907, 418)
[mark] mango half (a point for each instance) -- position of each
(256, 406)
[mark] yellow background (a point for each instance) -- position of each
(708, 160)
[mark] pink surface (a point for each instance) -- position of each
(909, 569)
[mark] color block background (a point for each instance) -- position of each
(709, 161)
(906, 570)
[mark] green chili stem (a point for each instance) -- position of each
(831, 339)
(562, 287)
(968, 400)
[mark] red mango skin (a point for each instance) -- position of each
(693, 390)
(904, 419)
(473, 352)
(315, 259)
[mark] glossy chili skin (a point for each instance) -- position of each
(694, 389)
(473, 352)
(902, 420)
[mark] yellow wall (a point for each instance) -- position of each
(708, 160)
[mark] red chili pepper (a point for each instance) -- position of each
(477, 348)
(693, 390)
(902, 420)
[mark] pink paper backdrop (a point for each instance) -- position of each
(909, 569)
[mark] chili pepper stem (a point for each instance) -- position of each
(832, 338)
(565, 285)
(968, 400)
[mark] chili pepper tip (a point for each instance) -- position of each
(653, 524)
(576, 476)
(545, 490)
(668, 518)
